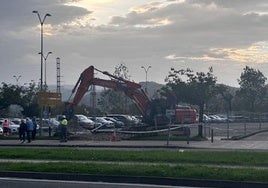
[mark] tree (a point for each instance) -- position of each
(252, 88)
(113, 101)
(194, 88)
(226, 94)
(10, 94)
(25, 97)
(121, 71)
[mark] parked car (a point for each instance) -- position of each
(135, 120)
(1, 131)
(217, 119)
(117, 123)
(238, 118)
(16, 120)
(83, 121)
(52, 123)
(206, 118)
(126, 119)
(13, 128)
(105, 123)
(223, 118)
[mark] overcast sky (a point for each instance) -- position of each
(163, 34)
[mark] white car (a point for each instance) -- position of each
(14, 128)
(1, 130)
(107, 123)
(102, 122)
(217, 119)
(206, 118)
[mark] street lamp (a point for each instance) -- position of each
(45, 58)
(41, 55)
(17, 78)
(146, 72)
(41, 23)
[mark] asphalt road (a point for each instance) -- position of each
(26, 183)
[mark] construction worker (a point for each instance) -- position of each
(63, 127)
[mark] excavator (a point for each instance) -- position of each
(152, 111)
(133, 90)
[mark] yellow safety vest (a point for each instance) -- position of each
(64, 122)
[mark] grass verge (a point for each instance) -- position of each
(251, 166)
(177, 171)
(239, 158)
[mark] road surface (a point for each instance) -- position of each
(26, 183)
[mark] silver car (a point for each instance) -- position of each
(84, 121)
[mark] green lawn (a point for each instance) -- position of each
(157, 156)
(220, 165)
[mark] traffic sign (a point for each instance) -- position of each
(170, 112)
(49, 98)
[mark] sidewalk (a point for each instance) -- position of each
(217, 144)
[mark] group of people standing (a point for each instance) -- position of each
(27, 128)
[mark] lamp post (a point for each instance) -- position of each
(41, 55)
(17, 78)
(146, 72)
(41, 23)
(45, 58)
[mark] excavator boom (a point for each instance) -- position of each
(131, 89)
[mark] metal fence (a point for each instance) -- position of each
(229, 130)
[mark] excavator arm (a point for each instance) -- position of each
(131, 89)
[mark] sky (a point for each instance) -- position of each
(227, 35)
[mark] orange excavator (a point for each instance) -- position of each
(131, 89)
(152, 111)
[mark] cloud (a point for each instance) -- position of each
(185, 59)
(256, 53)
(162, 33)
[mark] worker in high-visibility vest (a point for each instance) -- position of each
(63, 127)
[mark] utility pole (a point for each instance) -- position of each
(58, 74)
